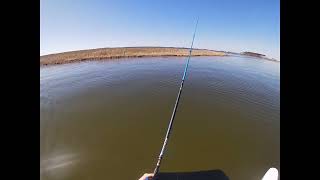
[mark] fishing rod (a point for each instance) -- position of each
(156, 170)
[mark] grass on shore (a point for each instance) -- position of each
(125, 52)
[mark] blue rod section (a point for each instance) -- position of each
(187, 64)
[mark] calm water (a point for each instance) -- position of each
(107, 119)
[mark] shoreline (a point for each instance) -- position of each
(123, 52)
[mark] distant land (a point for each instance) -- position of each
(253, 54)
(123, 52)
(132, 52)
(258, 55)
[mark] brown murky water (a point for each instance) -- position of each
(107, 119)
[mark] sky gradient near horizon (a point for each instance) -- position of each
(227, 25)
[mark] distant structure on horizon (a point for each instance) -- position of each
(253, 54)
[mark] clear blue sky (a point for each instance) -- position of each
(230, 25)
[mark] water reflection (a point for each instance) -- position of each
(57, 164)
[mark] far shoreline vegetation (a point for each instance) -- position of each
(131, 52)
(257, 55)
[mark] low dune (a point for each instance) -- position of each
(124, 52)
